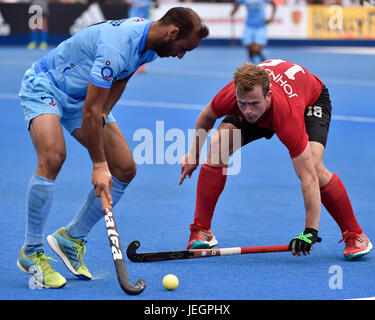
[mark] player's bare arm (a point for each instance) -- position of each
(273, 12)
(235, 8)
(93, 114)
(205, 122)
(115, 93)
(305, 169)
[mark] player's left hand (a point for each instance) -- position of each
(304, 241)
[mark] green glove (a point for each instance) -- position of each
(304, 241)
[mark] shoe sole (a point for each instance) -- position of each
(55, 247)
(351, 257)
(42, 285)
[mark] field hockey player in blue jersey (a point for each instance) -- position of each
(75, 86)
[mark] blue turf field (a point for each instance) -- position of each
(261, 206)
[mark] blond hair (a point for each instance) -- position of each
(248, 76)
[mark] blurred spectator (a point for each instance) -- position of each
(141, 9)
(255, 31)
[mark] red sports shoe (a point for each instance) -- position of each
(201, 238)
(356, 245)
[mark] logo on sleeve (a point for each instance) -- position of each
(68, 68)
(107, 73)
(52, 102)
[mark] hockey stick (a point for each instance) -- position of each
(118, 257)
(195, 253)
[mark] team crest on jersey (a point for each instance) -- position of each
(137, 19)
(117, 23)
(107, 73)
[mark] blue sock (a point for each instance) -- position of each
(263, 56)
(34, 36)
(39, 198)
(44, 36)
(91, 211)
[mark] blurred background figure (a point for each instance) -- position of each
(141, 9)
(40, 36)
(255, 31)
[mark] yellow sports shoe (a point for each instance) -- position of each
(31, 45)
(38, 265)
(43, 46)
(70, 251)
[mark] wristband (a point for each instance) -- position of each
(100, 164)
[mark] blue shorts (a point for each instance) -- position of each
(39, 96)
(254, 35)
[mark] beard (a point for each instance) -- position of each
(165, 49)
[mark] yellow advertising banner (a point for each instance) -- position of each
(337, 22)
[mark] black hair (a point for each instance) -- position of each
(186, 20)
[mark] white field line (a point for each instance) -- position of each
(189, 106)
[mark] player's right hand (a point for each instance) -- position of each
(304, 241)
(102, 180)
(188, 165)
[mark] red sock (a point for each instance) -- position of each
(336, 201)
(211, 182)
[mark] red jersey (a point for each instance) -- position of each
(293, 90)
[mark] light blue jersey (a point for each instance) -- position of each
(101, 54)
(256, 12)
